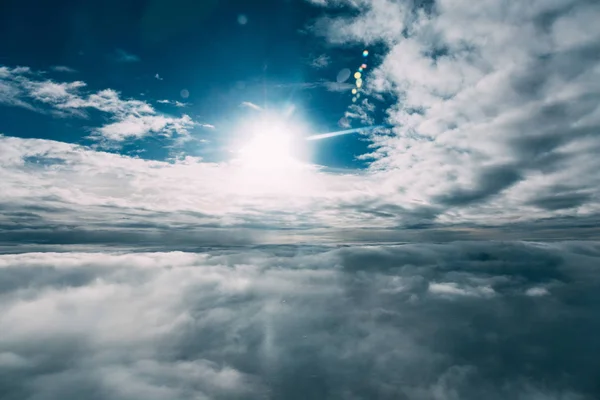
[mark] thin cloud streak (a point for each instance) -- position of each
(345, 132)
(248, 104)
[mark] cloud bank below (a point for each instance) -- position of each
(455, 321)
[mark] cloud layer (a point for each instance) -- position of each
(495, 135)
(457, 321)
(497, 111)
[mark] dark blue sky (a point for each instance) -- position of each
(198, 46)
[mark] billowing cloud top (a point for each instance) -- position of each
(458, 321)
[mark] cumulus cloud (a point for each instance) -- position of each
(497, 103)
(131, 118)
(303, 322)
(186, 200)
(57, 192)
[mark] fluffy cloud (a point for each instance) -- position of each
(55, 192)
(131, 118)
(11, 93)
(455, 321)
(497, 112)
(62, 193)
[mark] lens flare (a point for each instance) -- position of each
(343, 75)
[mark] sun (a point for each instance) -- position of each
(270, 156)
(268, 149)
(270, 144)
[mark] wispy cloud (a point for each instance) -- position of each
(11, 92)
(63, 68)
(173, 103)
(344, 132)
(125, 57)
(158, 77)
(251, 105)
(130, 118)
(137, 126)
(328, 85)
(320, 62)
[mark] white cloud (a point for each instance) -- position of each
(337, 86)
(175, 103)
(537, 292)
(453, 289)
(321, 61)
(251, 105)
(496, 104)
(361, 112)
(63, 68)
(158, 77)
(131, 118)
(139, 126)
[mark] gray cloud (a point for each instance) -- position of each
(489, 183)
(424, 321)
(59, 193)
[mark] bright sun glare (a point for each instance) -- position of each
(270, 145)
(271, 156)
(268, 149)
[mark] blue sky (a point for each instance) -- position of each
(222, 53)
(217, 200)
